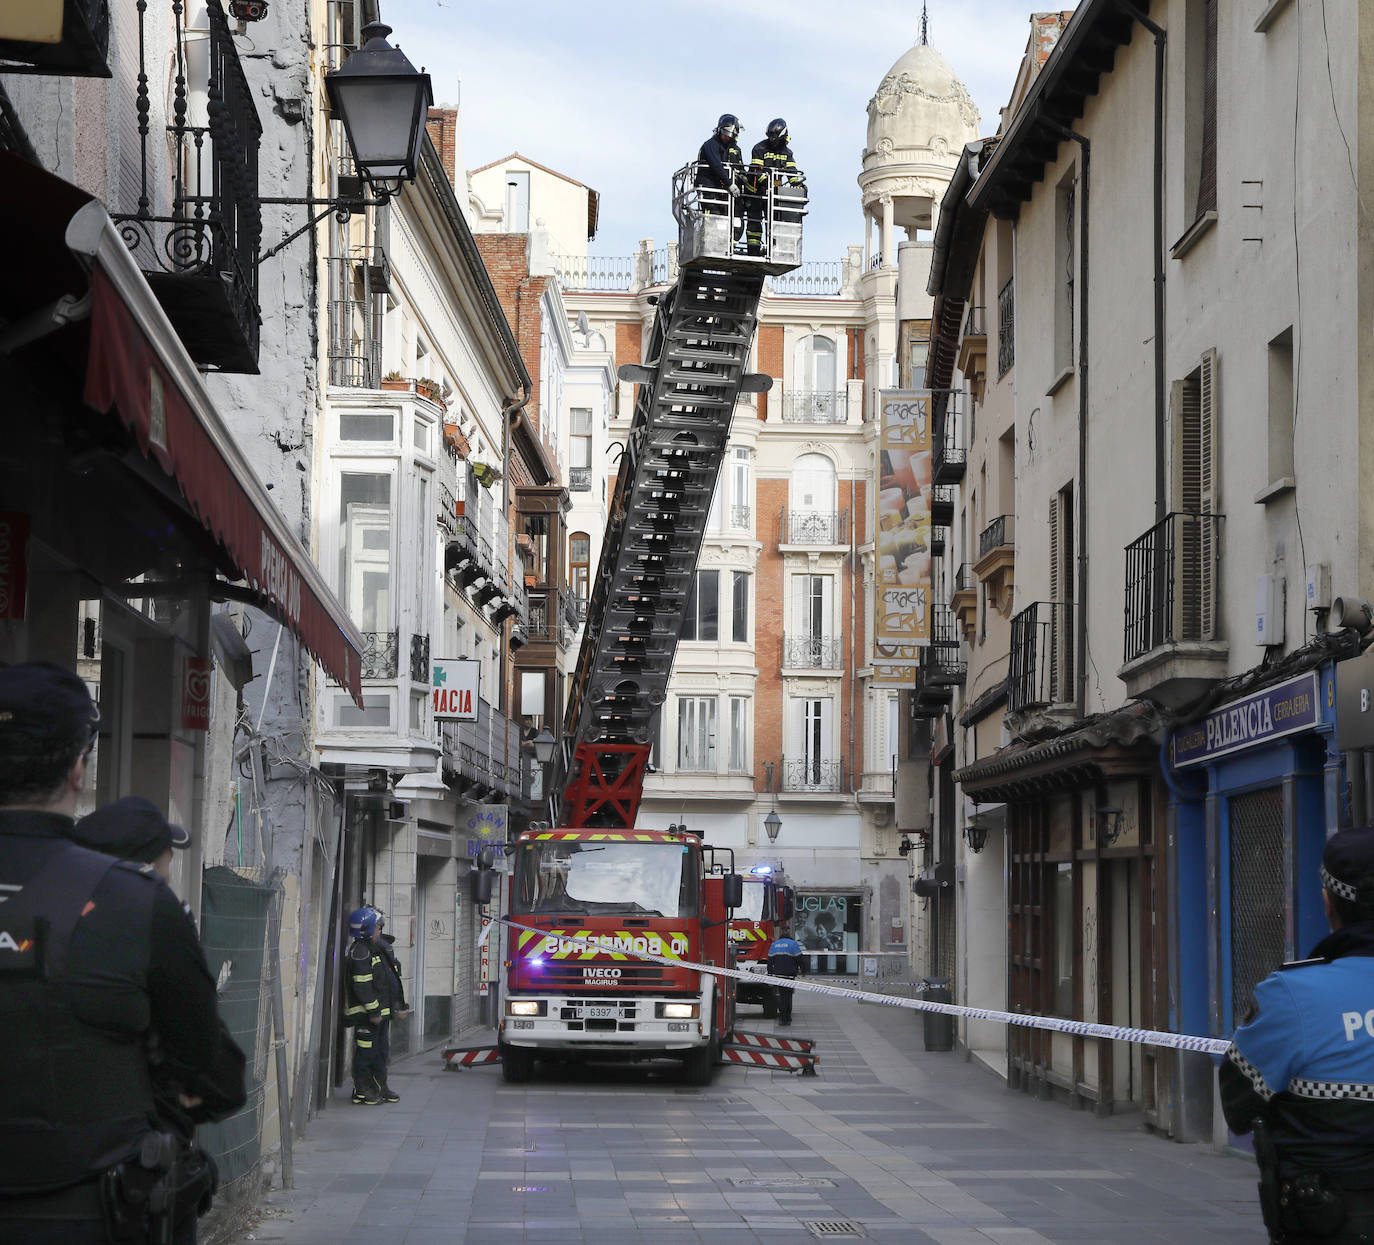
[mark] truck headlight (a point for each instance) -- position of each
(677, 1011)
(526, 1007)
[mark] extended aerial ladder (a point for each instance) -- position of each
(693, 373)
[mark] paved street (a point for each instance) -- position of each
(888, 1143)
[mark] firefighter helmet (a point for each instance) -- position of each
(363, 922)
(728, 126)
(777, 130)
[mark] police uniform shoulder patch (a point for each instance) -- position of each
(1283, 968)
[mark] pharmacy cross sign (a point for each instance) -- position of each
(456, 689)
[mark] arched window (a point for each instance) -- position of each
(814, 393)
(811, 505)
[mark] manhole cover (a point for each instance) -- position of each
(834, 1229)
(781, 1182)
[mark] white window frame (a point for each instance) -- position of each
(696, 734)
(739, 734)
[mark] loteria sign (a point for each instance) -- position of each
(457, 681)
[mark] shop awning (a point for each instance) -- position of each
(138, 368)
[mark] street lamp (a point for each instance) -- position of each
(772, 824)
(976, 836)
(545, 745)
(382, 101)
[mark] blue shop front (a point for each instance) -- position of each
(1255, 789)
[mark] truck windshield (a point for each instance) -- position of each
(607, 878)
(752, 907)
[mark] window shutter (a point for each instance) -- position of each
(1055, 637)
(1207, 146)
(1208, 493)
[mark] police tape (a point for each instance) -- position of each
(1079, 1028)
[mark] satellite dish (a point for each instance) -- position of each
(583, 326)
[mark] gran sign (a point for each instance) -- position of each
(456, 684)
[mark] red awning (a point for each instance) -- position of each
(138, 367)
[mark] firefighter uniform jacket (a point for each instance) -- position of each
(373, 986)
(1305, 1061)
(718, 162)
(771, 160)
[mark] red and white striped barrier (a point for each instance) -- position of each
(470, 1056)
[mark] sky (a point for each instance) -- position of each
(618, 94)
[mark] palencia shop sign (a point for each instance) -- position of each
(1283, 709)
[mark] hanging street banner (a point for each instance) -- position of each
(902, 585)
(456, 681)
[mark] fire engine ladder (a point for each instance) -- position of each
(687, 391)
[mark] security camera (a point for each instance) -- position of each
(1352, 612)
(248, 10)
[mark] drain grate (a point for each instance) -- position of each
(781, 1182)
(835, 1229)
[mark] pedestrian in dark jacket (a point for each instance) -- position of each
(1300, 1070)
(785, 958)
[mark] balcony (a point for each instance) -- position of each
(814, 406)
(740, 517)
(823, 278)
(1173, 646)
(595, 272)
(814, 528)
(1041, 672)
(973, 344)
(810, 652)
(483, 758)
(939, 537)
(201, 260)
(942, 505)
(579, 479)
(356, 284)
(996, 564)
(963, 598)
(950, 458)
(1006, 329)
(800, 775)
(381, 655)
(942, 660)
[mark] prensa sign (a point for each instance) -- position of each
(1283, 709)
(454, 694)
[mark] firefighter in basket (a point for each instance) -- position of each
(771, 163)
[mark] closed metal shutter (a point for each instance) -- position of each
(1258, 901)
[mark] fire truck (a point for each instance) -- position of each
(593, 876)
(766, 907)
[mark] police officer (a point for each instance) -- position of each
(374, 995)
(133, 829)
(784, 960)
(95, 956)
(1300, 1070)
(720, 169)
(770, 163)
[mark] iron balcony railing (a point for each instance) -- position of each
(662, 267)
(811, 774)
(739, 518)
(1001, 532)
(419, 660)
(543, 620)
(381, 654)
(964, 579)
(816, 278)
(814, 527)
(812, 652)
(355, 319)
(950, 457)
(1006, 328)
(1172, 573)
(483, 756)
(594, 272)
(202, 258)
(975, 323)
(814, 406)
(579, 479)
(942, 660)
(942, 505)
(1042, 659)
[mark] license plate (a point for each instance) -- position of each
(599, 1013)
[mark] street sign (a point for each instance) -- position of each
(456, 684)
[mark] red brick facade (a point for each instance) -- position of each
(442, 124)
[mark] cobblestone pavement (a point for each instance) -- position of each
(888, 1143)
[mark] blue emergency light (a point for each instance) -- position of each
(762, 870)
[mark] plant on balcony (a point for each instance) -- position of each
(429, 388)
(455, 438)
(485, 474)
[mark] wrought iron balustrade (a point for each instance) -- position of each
(661, 268)
(964, 579)
(812, 774)
(814, 527)
(1000, 533)
(814, 279)
(814, 406)
(1042, 657)
(579, 479)
(380, 657)
(739, 518)
(202, 258)
(543, 619)
(812, 652)
(1171, 583)
(950, 457)
(355, 321)
(594, 272)
(975, 323)
(483, 756)
(942, 661)
(419, 660)
(1006, 328)
(942, 505)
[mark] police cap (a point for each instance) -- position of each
(42, 704)
(1348, 864)
(132, 829)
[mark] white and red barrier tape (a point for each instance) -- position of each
(1080, 1028)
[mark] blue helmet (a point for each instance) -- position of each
(363, 922)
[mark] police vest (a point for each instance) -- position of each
(74, 1098)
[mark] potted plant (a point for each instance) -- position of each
(429, 388)
(395, 381)
(485, 474)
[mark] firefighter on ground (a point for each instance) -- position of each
(1300, 1070)
(770, 162)
(720, 168)
(374, 998)
(785, 958)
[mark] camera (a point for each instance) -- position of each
(248, 10)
